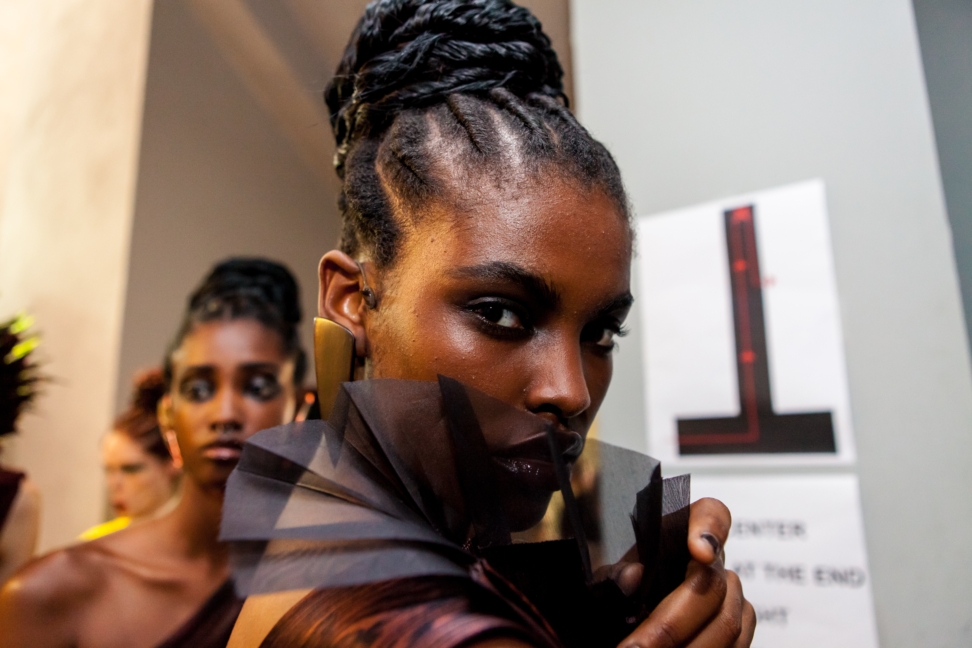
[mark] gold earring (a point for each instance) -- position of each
(333, 361)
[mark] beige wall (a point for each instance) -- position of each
(106, 268)
(217, 177)
(71, 79)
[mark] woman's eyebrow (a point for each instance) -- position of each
(195, 370)
(534, 285)
(622, 302)
(260, 366)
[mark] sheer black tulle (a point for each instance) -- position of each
(378, 494)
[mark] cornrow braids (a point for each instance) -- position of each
(428, 86)
(246, 288)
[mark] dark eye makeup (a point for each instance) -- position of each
(603, 335)
(197, 386)
(504, 318)
(501, 317)
(132, 469)
(258, 382)
(261, 385)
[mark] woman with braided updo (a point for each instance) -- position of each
(486, 238)
(233, 369)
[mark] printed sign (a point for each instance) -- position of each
(797, 543)
(743, 347)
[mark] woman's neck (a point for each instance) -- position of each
(196, 520)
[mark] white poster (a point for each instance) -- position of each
(742, 344)
(797, 543)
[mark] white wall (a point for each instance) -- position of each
(709, 98)
(946, 50)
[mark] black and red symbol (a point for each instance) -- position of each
(757, 428)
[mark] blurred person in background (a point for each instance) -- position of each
(233, 369)
(139, 471)
(19, 497)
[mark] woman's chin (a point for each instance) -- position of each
(524, 510)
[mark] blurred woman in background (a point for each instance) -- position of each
(232, 370)
(139, 471)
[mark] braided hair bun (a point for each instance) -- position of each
(242, 288)
(427, 87)
(412, 53)
(243, 283)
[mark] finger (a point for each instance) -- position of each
(630, 578)
(726, 627)
(745, 639)
(709, 523)
(627, 575)
(685, 611)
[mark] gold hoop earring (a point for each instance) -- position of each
(333, 361)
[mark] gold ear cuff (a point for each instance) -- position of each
(333, 361)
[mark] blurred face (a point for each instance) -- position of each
(231, 379)
(519, 293)
(139, 483)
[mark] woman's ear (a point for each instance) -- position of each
(341, 298)
(168, 433)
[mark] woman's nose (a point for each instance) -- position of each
(227, 413)
(114, 481)
(559, 382)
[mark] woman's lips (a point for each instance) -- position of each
(529, 461)
(534, 474)
(223, 451)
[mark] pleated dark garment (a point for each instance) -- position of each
(212, 625)
(339, 507)
(390, 515)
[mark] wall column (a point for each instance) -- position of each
(71, 91)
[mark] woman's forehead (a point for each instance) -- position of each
(229, 342)
(120, 447)
(553, 229)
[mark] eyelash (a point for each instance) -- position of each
(617, 330)
(479, 306)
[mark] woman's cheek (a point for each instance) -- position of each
(598, 376)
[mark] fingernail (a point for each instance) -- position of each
(711, 539)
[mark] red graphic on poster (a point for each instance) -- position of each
(757, 428)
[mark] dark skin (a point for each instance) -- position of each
(136, 587)
(518, 289)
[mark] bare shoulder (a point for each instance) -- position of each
(43, 602)
(62, 574)
(18, 536)
(28, 497)
(24, 514)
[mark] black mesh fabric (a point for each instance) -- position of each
(403, 481)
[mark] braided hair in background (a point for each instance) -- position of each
(247, 288)
(426, 87)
